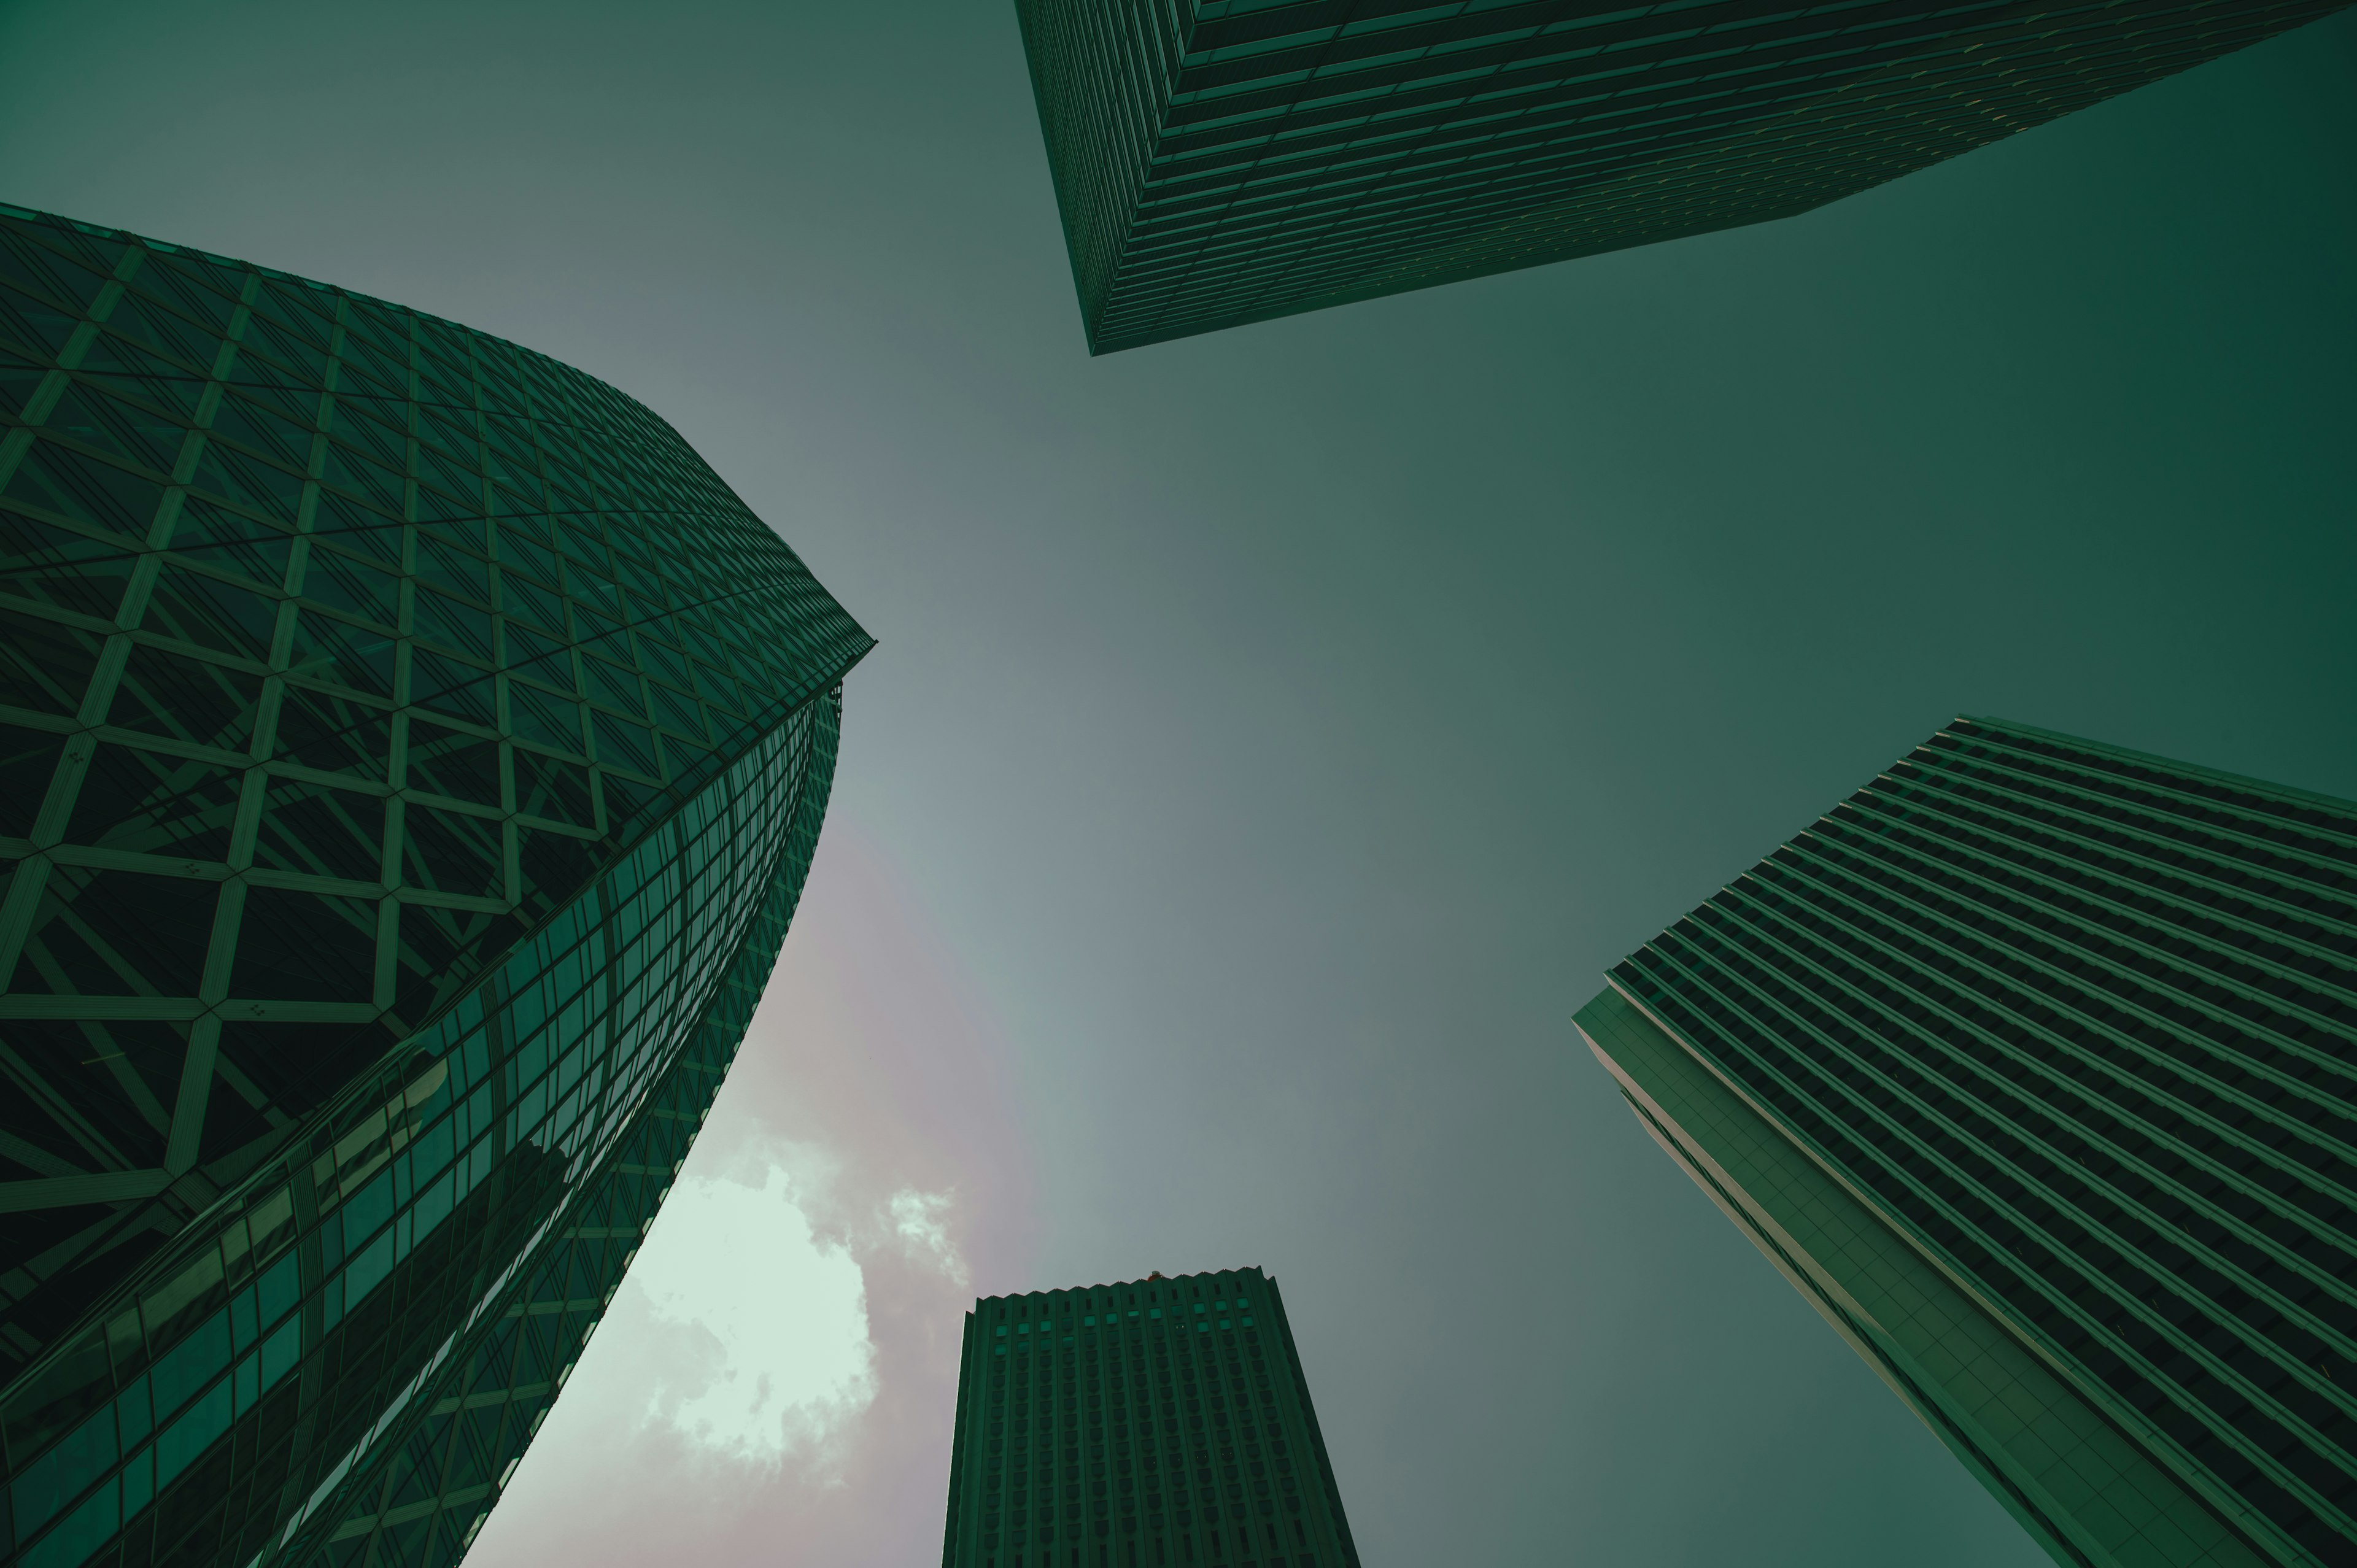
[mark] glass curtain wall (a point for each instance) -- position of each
(410, 756)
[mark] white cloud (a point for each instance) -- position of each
(769, 1320)
(917, 1218)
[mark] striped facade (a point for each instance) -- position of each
(1160, 1422)
(1224, 161)
(2033, 1064)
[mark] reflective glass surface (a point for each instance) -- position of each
(410, 754)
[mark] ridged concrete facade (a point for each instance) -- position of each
(2033, 1064)
(1224, 161)
(1160, 1422)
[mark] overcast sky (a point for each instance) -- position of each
(1275, 735)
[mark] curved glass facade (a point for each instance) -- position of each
(413, 754)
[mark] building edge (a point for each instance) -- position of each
(738, 987)
(2290, 793)
(980, 1349)
(376, 1082)
(2088, 1488)
(304, 1524)
(957, 1448)
(1316, 1432)
(1067, 220)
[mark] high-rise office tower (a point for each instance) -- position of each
(1161, 1421)
(410, 756)
(1224, 161)
(2033, 1065)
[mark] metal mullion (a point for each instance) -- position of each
(2199, 837)
(1994, 1302)
(1950, 807)
(1534, 155)
(1940, 784)
(75, 444)
(668, 1052)
(1874, 1005)
(2243, 1026)
(1998, 738)
(2037, 1280)
(1705, 984)
(1130, 51)
(611, 973)
(2141, 919)
(43, 609)
(60, 1110)
(227, 577)
(2168, 1063)
(1881, 1075)
(2192, 1004)
(2298, 1170)
(437, 898)
(2121, 887)
(2004, 1010)
(1172, 291)
(123, 969)
(114, 649)
(16, 438)
(1998, 752)
(474, 810)
(2330, 1285)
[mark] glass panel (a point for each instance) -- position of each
(422, 1056)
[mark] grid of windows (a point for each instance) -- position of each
(1224, 161)
(410, 756)
(1165, 1421)
(2083, 1024)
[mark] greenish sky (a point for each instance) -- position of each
(1275, 733)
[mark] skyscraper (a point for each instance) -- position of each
(2033, 1065)
(1223, 161)
(410, 757)
(1163, 1421)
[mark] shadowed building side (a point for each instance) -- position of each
(1160, 1422)
(1217, 163)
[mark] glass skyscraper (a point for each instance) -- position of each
(1224, 161)
(410, 757)
(1161, 1421)
(2033, 1065)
